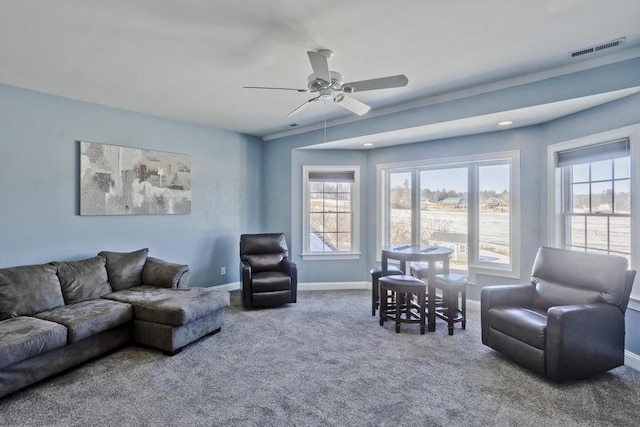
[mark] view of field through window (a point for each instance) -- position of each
(598, 209)
(444, 211)
(330, 216)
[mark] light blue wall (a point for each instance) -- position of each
(39, 187)
(632, 320)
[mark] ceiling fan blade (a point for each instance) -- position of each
(381, 83)
(320, 65)
(276, 88)
(303, 106)
(353, 105)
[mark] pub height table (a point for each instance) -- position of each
(430, 254)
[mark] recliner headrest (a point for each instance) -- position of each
(267, 243)
(563, 277)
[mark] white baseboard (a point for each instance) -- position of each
(309, 286)
(234, 286)
(632, 360)
(332, 286)
(473, 304)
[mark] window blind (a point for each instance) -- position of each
(337, 176)
(594, 153)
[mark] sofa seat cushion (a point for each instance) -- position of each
(174, 306)
(270, 281)
(87, 318)
(24, 337)
(28, 290)
(526, 324)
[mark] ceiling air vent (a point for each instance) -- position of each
(596, 48)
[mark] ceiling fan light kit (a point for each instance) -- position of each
(329, 85)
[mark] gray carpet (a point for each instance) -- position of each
(324, 361)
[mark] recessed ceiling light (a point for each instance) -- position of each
(368, 144)
(505, 123)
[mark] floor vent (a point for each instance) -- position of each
(596, 48)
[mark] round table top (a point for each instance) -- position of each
(417, 250)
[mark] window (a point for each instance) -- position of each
(400, 199)
(444, 210)
(469, 204)
(331, 205)
(493, 213)
(593, 190)
(596, 205)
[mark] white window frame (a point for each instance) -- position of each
(512, 270)
(554, 188)
(307, 255)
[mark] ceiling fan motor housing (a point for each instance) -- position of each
(316, 85)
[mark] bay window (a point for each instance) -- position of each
(469, 204)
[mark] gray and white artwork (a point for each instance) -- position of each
(118, 180)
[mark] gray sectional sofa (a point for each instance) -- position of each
(54, 316)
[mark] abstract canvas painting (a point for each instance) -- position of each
(118, 180)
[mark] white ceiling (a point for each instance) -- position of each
(189, 60)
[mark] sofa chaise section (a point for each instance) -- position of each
(169, 319)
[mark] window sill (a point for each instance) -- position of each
(507, 271)
(327, 256)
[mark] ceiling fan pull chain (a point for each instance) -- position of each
(325, 120)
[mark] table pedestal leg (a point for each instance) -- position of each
(431, 315)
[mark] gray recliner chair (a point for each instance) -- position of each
(269, 279)
(569, 322)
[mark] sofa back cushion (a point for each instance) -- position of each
(125, 268)
(28, 290)
(564, 277)
(83, 280)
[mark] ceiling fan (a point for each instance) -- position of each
(329, 85)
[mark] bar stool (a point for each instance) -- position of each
(376, 273)
(452, 286)
(402, 288)
(421, 271)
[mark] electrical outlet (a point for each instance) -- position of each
(223, 270)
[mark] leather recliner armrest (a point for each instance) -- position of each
(245, 276)
(287, 266)
(583, 339)
(507, 295)
(164, 274)
(291, 269)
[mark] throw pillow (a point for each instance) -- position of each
(83, 280)
(164, 274)
(29, 290)
(125, 269)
